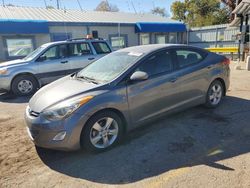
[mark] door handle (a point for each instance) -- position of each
(173, 79)
(63, 62)
(91, 58)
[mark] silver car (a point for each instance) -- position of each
(96, 106)
(49, 62)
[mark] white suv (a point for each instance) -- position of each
(48, 63)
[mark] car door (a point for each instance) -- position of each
(80, 55)
(189, 79)
(145, 98)
(53, 63)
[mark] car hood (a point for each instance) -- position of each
(60, 90)
(12, 63)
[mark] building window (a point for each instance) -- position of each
(118, 42)
(161, 39)
(144, 38)
(180, 38)
(19, 47)
(172, 38)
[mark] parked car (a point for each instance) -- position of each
(48, 63)
(96, 106)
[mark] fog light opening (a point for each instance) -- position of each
(60, 136)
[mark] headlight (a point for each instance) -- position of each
(64, 109)
(3, 71)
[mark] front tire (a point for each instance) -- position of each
(215, 94)
(102, 132)
(24, 85)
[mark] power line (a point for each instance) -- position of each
(133, 6)
(79, 4)
(128, 6)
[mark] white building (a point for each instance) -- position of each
(22, 29)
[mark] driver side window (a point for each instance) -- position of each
(51, 53)
(55, 52)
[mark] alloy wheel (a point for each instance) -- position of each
(215, 94)
(104, 132)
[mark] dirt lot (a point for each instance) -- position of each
(195, 148)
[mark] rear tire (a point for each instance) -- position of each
(215, 94)
(102, 132)
(24, 85)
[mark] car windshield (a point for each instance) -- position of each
(34, 53)
(109, 67)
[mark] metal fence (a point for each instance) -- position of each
(213, 36)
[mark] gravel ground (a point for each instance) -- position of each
(194, 148)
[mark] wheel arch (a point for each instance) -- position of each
(26, 73)
(118, 112)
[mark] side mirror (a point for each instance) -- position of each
(42, 58)
(139, 76)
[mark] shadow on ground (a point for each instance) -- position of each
(194, 137)
(11, 98)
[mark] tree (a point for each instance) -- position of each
(106, 7)
(231, 4)
(179, 11)
(159, 11)
(199, 13)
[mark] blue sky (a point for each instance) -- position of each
(123, 5)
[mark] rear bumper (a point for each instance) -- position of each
(227, 78)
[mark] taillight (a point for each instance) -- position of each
(226, 61)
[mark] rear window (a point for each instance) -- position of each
(101, 47)
(188, 57)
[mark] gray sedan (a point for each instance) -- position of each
(96, 106)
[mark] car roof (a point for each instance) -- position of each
(145, 49)
(73, 41)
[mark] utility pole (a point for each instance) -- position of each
(3, 3)
(57, 4)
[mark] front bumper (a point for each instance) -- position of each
(42, 132)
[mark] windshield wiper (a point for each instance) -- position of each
(92, 80)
